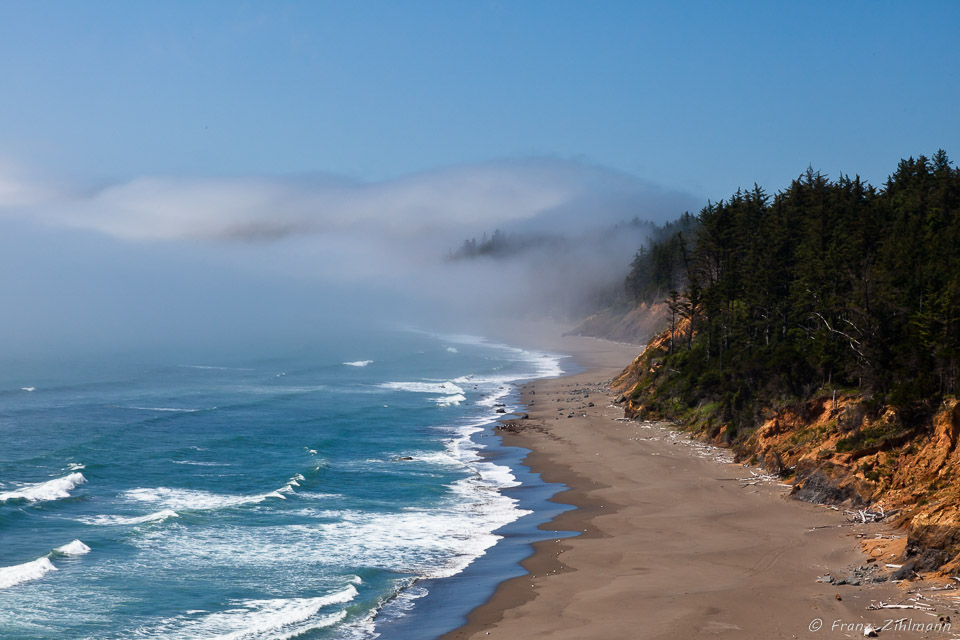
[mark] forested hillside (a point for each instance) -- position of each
(817, 331)
(827, 284)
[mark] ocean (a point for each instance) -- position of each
(351, 489)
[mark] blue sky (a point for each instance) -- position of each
(697, 96)
(191, 173)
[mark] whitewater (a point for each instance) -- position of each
(327, 493)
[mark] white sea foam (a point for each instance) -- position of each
(28, 388)
(447, 401)
(194, 499)
(497, 475)
(445, 458)
(169, 409)
(464, 529)
(388, 610)
(76, 466)
(436, 541)
(109, 520)
(358, 363)
(42, 491)
(75, 548)
(487, 380)
(546, 365)
(452, 349)
(427, 540)
(275, 619)
(407, 598)
(445, 387)
(272, 390)
(33, 570)
(292, 482)
(36, 569)
(202, 366)
(197, 463)
(431, 542)
(317, 495)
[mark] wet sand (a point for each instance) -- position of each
(676, 543)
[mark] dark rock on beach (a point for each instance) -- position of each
(819, 488)
(907, 571)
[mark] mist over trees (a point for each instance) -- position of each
(661, 265)
(571, 273)
(827, 284)
(500, 245)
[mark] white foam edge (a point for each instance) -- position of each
(43, 491)
(423, 386)
(74, 548)
(269, 619)
(450, 401)
(548, 364)
(113, 520)
(196, 499)
(200, 500)
(391, 607)
(37, 569)
(168, 409)
(26, 572)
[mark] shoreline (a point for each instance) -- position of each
(670, 545)
(447, 600)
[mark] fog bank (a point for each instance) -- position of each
(160, 261)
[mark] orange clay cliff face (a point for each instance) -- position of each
(834, 452)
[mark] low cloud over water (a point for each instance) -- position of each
(164, 258)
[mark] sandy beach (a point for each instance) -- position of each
(675, 543)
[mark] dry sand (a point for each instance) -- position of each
(675, 545)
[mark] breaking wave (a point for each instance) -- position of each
(447, 401)
(209, 367)
(158, 516)
(199, 500)
(36, 569)
(55, 489)
(447, 387)
(275, 619)
(170, 409)
(75, 548)
(17, 574)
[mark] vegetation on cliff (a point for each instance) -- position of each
(826, 285)
(818, 332)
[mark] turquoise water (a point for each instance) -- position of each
(307, 495)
